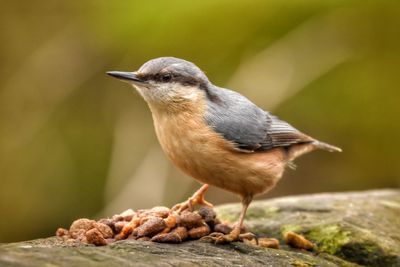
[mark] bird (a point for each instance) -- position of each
(216, 135)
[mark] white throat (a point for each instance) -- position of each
(169, 93)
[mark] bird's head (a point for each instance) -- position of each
(166, 81)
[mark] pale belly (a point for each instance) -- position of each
(203, 154)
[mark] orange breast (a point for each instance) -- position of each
(206, 156)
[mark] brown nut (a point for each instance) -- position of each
(117, 218)
(199, 232)
(143, 218)
(298, 241)
(166, 238)
(266, 242)
(104, 229)
(108, 222)
(213, 223)
(178, 235)
(190, 219)
(81, 225)
(61, 232)
(171, 221)
(207, 213)
(158, 211)
(118, 226)
(128, 229)
(181, 232)
(222, 228)
(151, 227)
(95, 237)
(127, 215)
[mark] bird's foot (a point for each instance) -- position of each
(196, 199)
(220, 238)
(190, 203)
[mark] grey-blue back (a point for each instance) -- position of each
(249, 127)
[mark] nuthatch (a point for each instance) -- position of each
(216, 135)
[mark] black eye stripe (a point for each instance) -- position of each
(166, 77)
(172, 77)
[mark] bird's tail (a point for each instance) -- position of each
(325, 146)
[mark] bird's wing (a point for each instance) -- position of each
(281, 133)
(247, 126)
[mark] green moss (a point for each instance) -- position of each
(231, 213)
(228, 213)
(255, 213)
(272, 209)
(369, 254)
(330, 238)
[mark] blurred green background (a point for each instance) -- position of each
(76, 143)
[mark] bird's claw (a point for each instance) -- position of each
(216, 238)
(189, 205)
(196, 199)
(220, 238)
(248, 236)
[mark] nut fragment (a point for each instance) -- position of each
(166, 238)
(223, 228)
(181, 232)
(178, 235)
(61, 232)
(298, 241)
(118, 226)
(104, 229)
(128, 229)
(79, 226)
(171, 221)
(190, 219)
(127, 215)
(117, 218)
(151, 227)
(199, 232)
(108, 222)
(213, 223)
(95, 237)
(266, 242)
(158, 211)
(207, 213)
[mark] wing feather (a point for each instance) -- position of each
(247, 126)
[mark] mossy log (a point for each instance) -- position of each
(349, 229)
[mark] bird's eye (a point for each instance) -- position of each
(166, 77)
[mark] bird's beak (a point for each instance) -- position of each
(130, 77)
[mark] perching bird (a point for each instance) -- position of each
(216, 135)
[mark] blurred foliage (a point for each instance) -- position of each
(71, 139)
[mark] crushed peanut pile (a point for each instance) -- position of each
(159, 224)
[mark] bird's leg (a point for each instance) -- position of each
(234, 235)
(196, 199)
